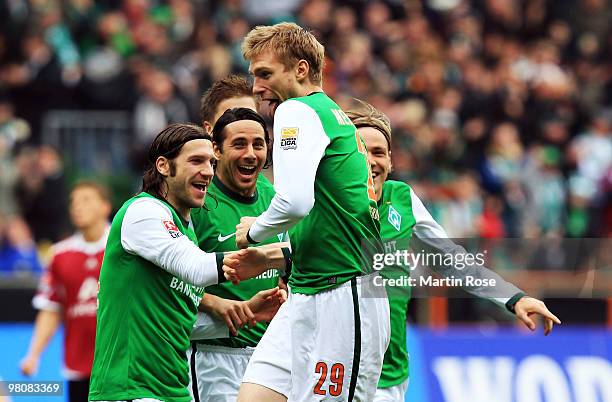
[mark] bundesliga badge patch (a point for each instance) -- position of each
(172, 229)
(394, 218)
(289, 138)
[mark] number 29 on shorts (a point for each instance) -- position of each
(336, 379)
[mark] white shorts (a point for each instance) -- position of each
(396, 393)
(218, 372)
(314, 351)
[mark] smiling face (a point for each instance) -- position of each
(379, 156)
(273, 82)
(188, 175)
(242, 155)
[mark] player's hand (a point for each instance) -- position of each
(282, 285)
(245, 264)
(236, 314)
(527, 306)
(242, 229)
(266, 303)
(29, 365)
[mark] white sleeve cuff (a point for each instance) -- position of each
(41, 302)
(207, 327)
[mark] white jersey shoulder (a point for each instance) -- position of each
(77, 243)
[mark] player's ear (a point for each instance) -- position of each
(162, 164)
(216, 150)
(207, 127)
(390, 163)
(302, 70)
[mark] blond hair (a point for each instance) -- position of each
(362, 114)
(290, 43)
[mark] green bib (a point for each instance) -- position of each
(396, 222)
(214, 230)
(144, 321)
(327, 243)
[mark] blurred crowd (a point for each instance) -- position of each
(501, 109)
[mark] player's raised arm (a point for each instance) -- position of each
(299, 145)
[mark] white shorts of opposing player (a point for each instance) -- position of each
(396, 393)
(218, 372)
(325, 347)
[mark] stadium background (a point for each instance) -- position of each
(502, 123)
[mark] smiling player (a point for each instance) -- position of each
(153, 275)
(403, 216)
(241, 141)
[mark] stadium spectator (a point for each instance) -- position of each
(541, 66)
(41, 192)
(13, 133)
(158, 107)
(591, 152)
(18, 252)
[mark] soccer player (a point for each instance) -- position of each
(403, 215)
(240, 141)
(153, 275)
(227, 93)
(69, 287)
(327, 341)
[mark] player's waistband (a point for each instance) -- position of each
(361, 278)
(358, 280)
(202, 347)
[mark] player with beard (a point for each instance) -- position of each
(153, 275)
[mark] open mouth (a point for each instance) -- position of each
(375, 175)
(247, 170)
(200, 187)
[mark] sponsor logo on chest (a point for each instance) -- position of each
(194, 293)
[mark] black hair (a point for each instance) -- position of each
(238, 114)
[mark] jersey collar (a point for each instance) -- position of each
(234, 195)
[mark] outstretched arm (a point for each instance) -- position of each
(250, 262)
(504, 294)
(145, 232)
